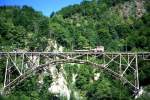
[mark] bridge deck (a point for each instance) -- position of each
(55, 53)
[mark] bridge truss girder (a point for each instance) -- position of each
(21, 65)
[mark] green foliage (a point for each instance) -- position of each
(84, 77)
(144, 71)
(100, 90)
(103, 89)
(93, 23)
(89, 24)
(145, 95)
(31, 90)
(22, 28)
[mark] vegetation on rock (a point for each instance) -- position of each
(89, 24)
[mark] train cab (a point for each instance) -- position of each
(98, 49)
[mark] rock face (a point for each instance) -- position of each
(96, 76)
(134, 8)
(53, 46)
(139, 8)
(74, 78)
(141, 91)
(59, 85)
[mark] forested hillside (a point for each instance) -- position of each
(118, 25)
(101, 23)
(22, 27)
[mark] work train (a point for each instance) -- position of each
(97, 49)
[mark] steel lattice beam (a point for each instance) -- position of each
(23, 64)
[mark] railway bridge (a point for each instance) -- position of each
(21, 65)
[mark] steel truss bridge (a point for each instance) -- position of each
(21, 65)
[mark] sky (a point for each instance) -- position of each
(45, 6)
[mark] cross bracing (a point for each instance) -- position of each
(24, 64)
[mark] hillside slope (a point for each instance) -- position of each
(118, 25)
(98, 22)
